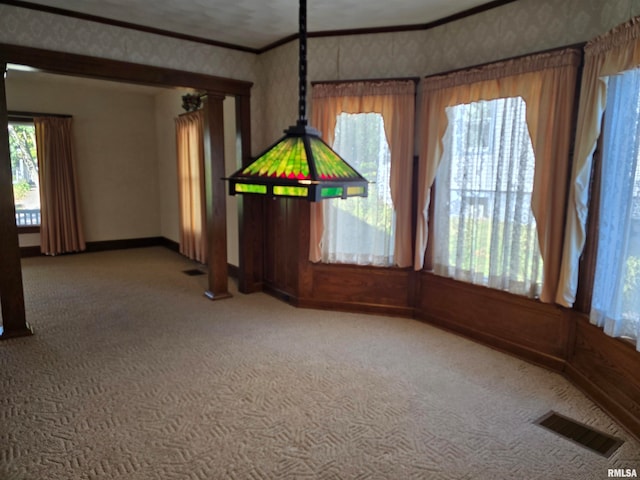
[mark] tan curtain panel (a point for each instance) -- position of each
(190, 146)
(395, 101)
(611, 53)
(61, 226)
(547, 83)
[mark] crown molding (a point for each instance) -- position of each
(325, 33)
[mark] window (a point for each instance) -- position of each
(493, 118)
(361, 230)
(484, 228)
(374, 121)
(616, 291)
(24, 167)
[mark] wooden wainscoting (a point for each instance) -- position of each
(358, 288)
(283, 241)
(548, 335)
(608, 370)
(290, 276)
(527, 328)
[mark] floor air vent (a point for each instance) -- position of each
(579, 433)
(193, 272)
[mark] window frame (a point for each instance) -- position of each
(395, 99)
(557, 72)
(429, 258)
(588, 258)
(23, 117)
(589, 255)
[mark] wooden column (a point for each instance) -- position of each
(215, 197)
(11, 291)
(250, 211)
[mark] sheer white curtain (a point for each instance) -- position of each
(546, 82)
(609, 54)
(381, 114)
(616, 291)
(362, 230)
(484, 226)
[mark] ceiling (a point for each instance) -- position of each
(256, 24)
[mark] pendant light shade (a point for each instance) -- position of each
(300, 164)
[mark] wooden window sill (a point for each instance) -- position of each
(29, 229)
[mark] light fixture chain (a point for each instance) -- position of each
(300, 165)
(302, 102)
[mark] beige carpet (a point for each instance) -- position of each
(133, 374)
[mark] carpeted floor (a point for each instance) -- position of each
(133, 374)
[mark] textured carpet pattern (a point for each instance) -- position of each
(134, 374)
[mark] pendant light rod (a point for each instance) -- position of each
(300, 164)
(302, 70)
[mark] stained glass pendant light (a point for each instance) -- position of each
(300, 164)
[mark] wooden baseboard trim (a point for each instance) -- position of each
(233, 271)
(280, 294)
(170, 244)
(28, 229)
(106, 245)
(354, 307)
(123, 244)
(33, 251)
(626, 420)
(525, 353)
(251, 288)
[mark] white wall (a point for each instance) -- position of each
(115, 151)
(126, 153)
(29, 239)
